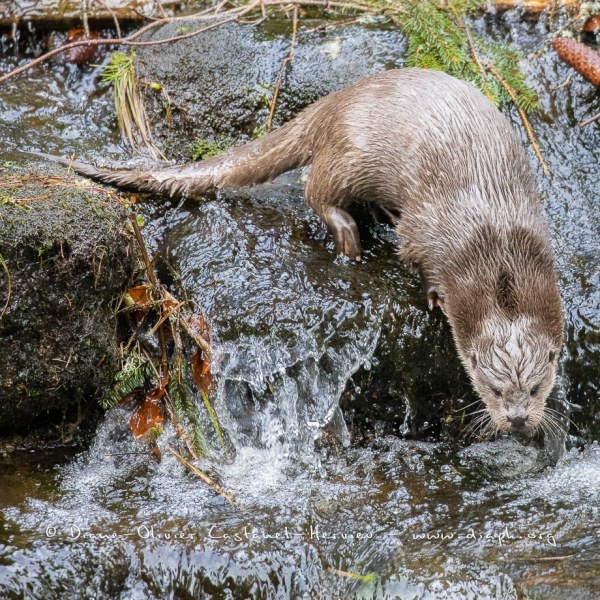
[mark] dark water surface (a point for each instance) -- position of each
(389, 509)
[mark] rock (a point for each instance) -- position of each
(66, 258)
(505, 458)
(225, 77)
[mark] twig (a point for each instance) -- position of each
(330, 26)
(145, 17)
(350, 575)
(286, 60)
(154, 284)
(590, 120)
(84, 18)
(562, 85)
(200, 341)
(114, 16)
(126, 453)
(324, 4)
(199, 16)
(167, 314)
(127, 41)
(161, 10)
(229, 16)
(526, 123)
(8, 287)
(488, 67)
(215, 486)
(143, 250)
(552, 13)
(168, 404)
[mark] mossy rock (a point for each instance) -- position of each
(67, 256)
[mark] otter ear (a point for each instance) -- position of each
(551, 356)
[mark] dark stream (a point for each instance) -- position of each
(384, 505)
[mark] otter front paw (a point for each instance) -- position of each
(434, 299)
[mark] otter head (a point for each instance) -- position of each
(512, 364)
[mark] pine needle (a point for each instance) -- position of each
(129, 105)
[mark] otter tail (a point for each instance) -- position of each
(255, 162)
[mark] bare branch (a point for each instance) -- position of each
(590, 120)
(286, 60)
(130, 40)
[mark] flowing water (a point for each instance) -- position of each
(379, 504)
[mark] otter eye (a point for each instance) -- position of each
(497, 392)
(534, 391)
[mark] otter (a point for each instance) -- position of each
(443, 163)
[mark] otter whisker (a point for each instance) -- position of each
(476, 412)
(553, 425)
(562, 415)
(467, 406)
(480, 419)
(486, 427)
(472, 428)
(554, 430)
(477, 424)
(546, 424)
(490, 431)
(553, 416)
(560, 427)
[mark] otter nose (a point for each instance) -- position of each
(517, 421)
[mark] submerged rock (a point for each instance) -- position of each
(66, 256)
(504, 458)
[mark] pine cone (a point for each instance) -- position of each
(583, 59)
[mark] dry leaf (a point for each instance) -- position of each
(148, 414)
(592, 24)
(201, 373)
(141, 294)
(81, 54)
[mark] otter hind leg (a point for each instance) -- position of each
(328, 200)
(344, 231)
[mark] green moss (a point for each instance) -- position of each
(157, 431)
(183, 29)
(204, 149)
